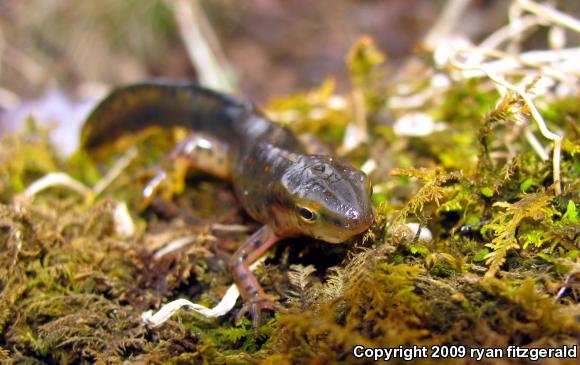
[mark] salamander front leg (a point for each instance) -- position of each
(196, 150)
(255, 300)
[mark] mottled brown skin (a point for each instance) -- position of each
(290, 192)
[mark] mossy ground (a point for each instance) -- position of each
(504, 244)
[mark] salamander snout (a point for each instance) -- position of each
(359, 219)
(333, 199)
(354, 220)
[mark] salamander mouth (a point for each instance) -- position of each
(340, 239)
(333, 239)
(348, 230)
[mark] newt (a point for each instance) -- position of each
(290, 192)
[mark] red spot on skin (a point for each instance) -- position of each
(250, 162)
(266, 168)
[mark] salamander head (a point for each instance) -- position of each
(330, 200)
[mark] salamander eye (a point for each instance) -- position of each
(307, 215)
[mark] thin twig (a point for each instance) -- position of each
(223, 307)
(230, 228)
(551, 14)
(174, 245)
(116, 170)
(507, 32)
(17, 248)
(446, 22)
(356, 133)
(123, 222)
(546, 62)
(56, 179)
(27, 66)
(535, 114)
(8, 99)
(202, 45)
(536, 145)
(124, 225)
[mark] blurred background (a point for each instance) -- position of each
(274, 47)
(58, 56)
